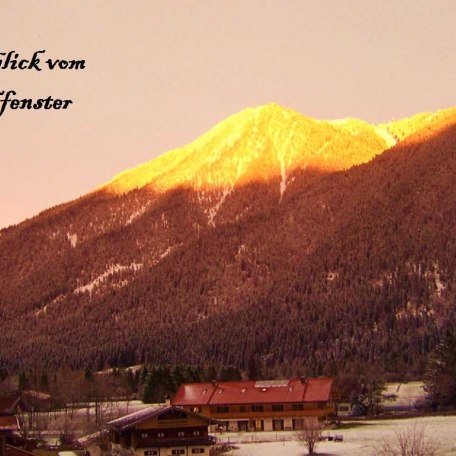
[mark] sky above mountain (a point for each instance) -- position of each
(159, 74)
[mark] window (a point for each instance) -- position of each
(223, 409)
(181, 434)
(257, 408)
(242, 408)
(298, 424)
(298, 407)
(196, 409)
(277, 407)
(151, 453)
(144, 435)
(178, 451)
(196, 432)
(160, 435)
(277, 425)
(197, 450)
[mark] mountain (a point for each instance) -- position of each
(275, 242)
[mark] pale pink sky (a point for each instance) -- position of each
(160, 73)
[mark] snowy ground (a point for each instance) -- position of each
(358, 441)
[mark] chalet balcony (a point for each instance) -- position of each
(176, 441)
(320, 412)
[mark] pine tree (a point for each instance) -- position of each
(440, 378)
(149, 389)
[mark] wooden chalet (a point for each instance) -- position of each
(270, 405)
(162, 431)
(16, 402)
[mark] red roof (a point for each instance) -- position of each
(318, 388)
(193, 394)
(254, 392)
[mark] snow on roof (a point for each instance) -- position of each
(130, 420)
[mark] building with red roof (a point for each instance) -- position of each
(260, 405)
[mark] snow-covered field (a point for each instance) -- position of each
(358, 441)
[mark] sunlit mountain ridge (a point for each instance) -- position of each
(290, 269)
(420, 126)
(259, 144)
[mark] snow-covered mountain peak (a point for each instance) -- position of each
(263, 144)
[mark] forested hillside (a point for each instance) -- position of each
(303, 268)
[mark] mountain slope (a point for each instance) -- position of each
(256, 145)
(193, 260)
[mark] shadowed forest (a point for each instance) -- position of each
(350, 271)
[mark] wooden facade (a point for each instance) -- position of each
(260, 406)
(162, 431)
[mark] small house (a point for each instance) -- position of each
(162, 431)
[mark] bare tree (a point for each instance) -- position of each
(411, 441)
(67, 428)
(310, 434)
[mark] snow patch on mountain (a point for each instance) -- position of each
(213, 211)
(44, 310)
(436, 275)
(387, 136)
(166, 252)
(137, 214)
(54, 234)
(73, 239)
(113, 269)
